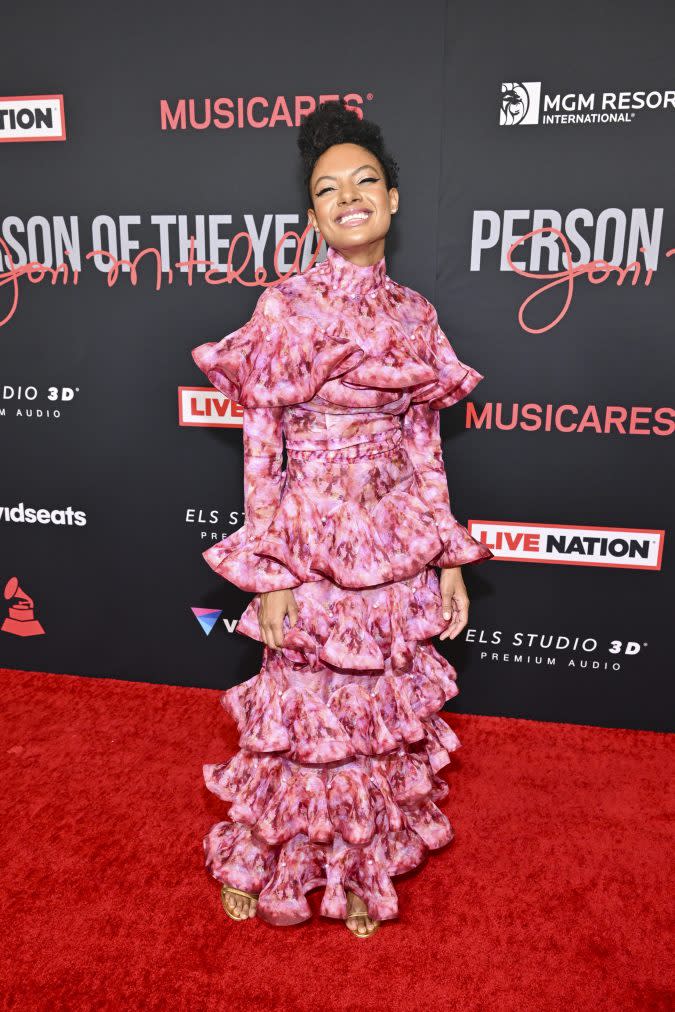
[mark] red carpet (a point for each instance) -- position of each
(555, 893)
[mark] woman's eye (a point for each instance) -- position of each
(368, 179)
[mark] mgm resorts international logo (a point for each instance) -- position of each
(524, 104)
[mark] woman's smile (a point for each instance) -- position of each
(351, 219)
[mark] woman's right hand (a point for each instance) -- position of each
(274, 606)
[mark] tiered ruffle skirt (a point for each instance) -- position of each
(336, 783)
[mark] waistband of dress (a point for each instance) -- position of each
(378, 442)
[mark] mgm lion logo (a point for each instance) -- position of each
(519, 103)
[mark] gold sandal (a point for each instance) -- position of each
(362, 914)
(236, 892)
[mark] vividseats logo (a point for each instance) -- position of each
(522, 104)
(207, 618)
(571, 544)
(59, 516)
(32, 118)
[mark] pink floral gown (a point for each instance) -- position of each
(341, 742)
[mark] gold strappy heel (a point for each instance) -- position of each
(236, 892)
(362, 914)
(368, 934)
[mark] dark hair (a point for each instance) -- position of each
(333, 122)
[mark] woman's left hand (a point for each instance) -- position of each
(455, 601)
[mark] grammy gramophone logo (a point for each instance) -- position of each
(21, 618)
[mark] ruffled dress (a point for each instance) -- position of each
(336, 782)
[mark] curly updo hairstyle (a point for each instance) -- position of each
(333, 122)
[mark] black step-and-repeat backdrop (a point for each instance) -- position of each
(150, 177)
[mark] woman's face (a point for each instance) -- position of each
(352, 205)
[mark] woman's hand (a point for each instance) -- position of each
(455, 601)
(274, 606)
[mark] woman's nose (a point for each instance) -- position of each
(348, 194)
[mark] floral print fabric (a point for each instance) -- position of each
(336, 780)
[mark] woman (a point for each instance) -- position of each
(336, 781)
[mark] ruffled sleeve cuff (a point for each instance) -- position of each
(422, 441)
(459, 547)
(235, 559)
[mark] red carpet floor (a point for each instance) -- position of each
(555, 893)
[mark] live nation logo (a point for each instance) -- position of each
(207, 406)
(569, 544)
(32, 118)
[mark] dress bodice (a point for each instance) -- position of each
(349, 368)
(338, 338)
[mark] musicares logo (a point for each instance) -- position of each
(257, 111)
(600, 420)
(569, 544)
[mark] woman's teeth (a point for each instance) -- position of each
(358, 216)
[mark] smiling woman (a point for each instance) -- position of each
(341, 741)
(352, 198)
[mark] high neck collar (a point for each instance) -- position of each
(352, 279)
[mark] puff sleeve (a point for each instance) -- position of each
(280, 356)
(237, 367)
(263, 477)
(422, 441)
(234, 558)
(453, 380)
